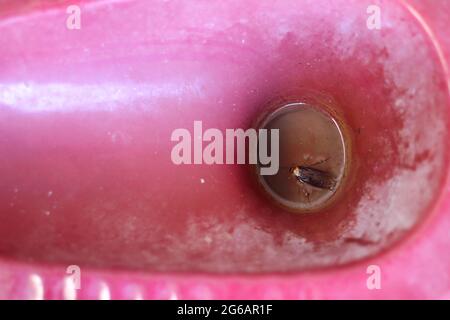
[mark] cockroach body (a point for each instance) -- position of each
(314, 177)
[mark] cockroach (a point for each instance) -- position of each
(307, 174)
(314, 177)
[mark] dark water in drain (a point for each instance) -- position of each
(309, 137)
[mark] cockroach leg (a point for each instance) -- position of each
(319, 162)
(302, 189)
(307, 194)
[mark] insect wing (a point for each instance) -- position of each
(316, 178)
